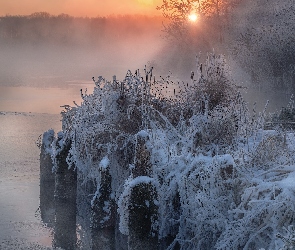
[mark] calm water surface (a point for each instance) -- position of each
(25, 113)
(20, 223)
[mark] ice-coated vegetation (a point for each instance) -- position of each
(213, 176)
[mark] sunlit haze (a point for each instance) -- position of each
(193, 17)
(90, 8)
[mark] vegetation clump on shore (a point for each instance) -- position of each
(186, 165)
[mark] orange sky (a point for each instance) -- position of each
(90, 8)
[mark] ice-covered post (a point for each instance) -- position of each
(103, 211)
(142, 210)
(65, 196)
(47, 179)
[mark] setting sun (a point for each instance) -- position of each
(193, 17)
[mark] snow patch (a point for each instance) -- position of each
(104, 163)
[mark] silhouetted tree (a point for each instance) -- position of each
(212, 12)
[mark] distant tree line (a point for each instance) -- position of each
(42, 27)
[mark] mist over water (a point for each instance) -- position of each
(46, 61)
(59, 55)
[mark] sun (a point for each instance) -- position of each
(193, 17)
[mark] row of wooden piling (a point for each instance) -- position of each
(67, 206)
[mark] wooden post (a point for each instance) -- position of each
(65, 201)
(47, 180)
(142, 213)
(142, 208)
(103, 214)
(85, 190)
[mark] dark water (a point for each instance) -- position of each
(20, 222)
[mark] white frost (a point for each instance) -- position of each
(104, 162)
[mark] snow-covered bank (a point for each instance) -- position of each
(176, 165)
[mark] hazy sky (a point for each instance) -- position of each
(91, 8)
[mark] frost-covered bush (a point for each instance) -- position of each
(285, 118)
(270, 151)
(288, 239)
(265, 206)
(199, 191)
(192, 160)
(264, 210)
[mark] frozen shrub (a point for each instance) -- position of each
(270, 151)
(264, 210)
(191, 164)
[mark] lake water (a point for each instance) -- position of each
(25, 113)
(20, 223)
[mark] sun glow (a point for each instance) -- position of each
(146, 2)
(193, 17)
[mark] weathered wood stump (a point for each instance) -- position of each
(103, 213)
(142, 208)
(47, 180)
(85, 190)
(142, 214)
(65, 199)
